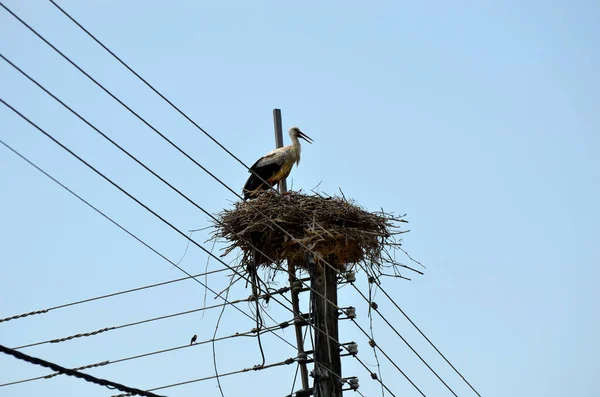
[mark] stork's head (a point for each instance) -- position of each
(296, 133)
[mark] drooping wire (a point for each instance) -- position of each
(298, 366)
(370, 314)
(214, 347)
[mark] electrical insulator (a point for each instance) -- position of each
(301, 319)
(351, 312)
(353, 383)
(353, 348)
(297, 286)
(302, 358)
(351, 277)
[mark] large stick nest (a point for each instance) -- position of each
(272, 228)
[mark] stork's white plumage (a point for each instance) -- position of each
(275, 166)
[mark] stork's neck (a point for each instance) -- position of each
(295, 142)
(296, 148)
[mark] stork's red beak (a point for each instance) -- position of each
(305, 137)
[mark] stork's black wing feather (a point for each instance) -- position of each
(255, 184)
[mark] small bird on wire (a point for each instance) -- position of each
(193, 339)
(274, 166)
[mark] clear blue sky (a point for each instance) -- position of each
(479, 120)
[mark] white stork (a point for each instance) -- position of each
(275, 166)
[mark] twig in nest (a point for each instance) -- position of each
(327, 225)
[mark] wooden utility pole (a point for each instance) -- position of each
(328, 366)
(292, 272)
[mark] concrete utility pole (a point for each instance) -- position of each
(294, 283)
(328, 366)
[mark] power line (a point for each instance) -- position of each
(114, 143)
(142, 164)
(122, 228)
(43, 311)
(133, 157)
(117, 145)
(157, 92)
(114, 184)
(374, 307)
(255, 368)
(159, 133)
(174, 107)
(146, 207)
(148, 169)
(418, 329)
(152, 88)
(124, 191)
(79, 197)
(427, 339)
(166, 139)
(375, 377)
(374, 345)
(105, 329)
(70, 372)
(168, 223)
(119, 101)
(251, 333)
(126, 152)
(129, 154)
(64, 147)
(154, 129)
(164, 98)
